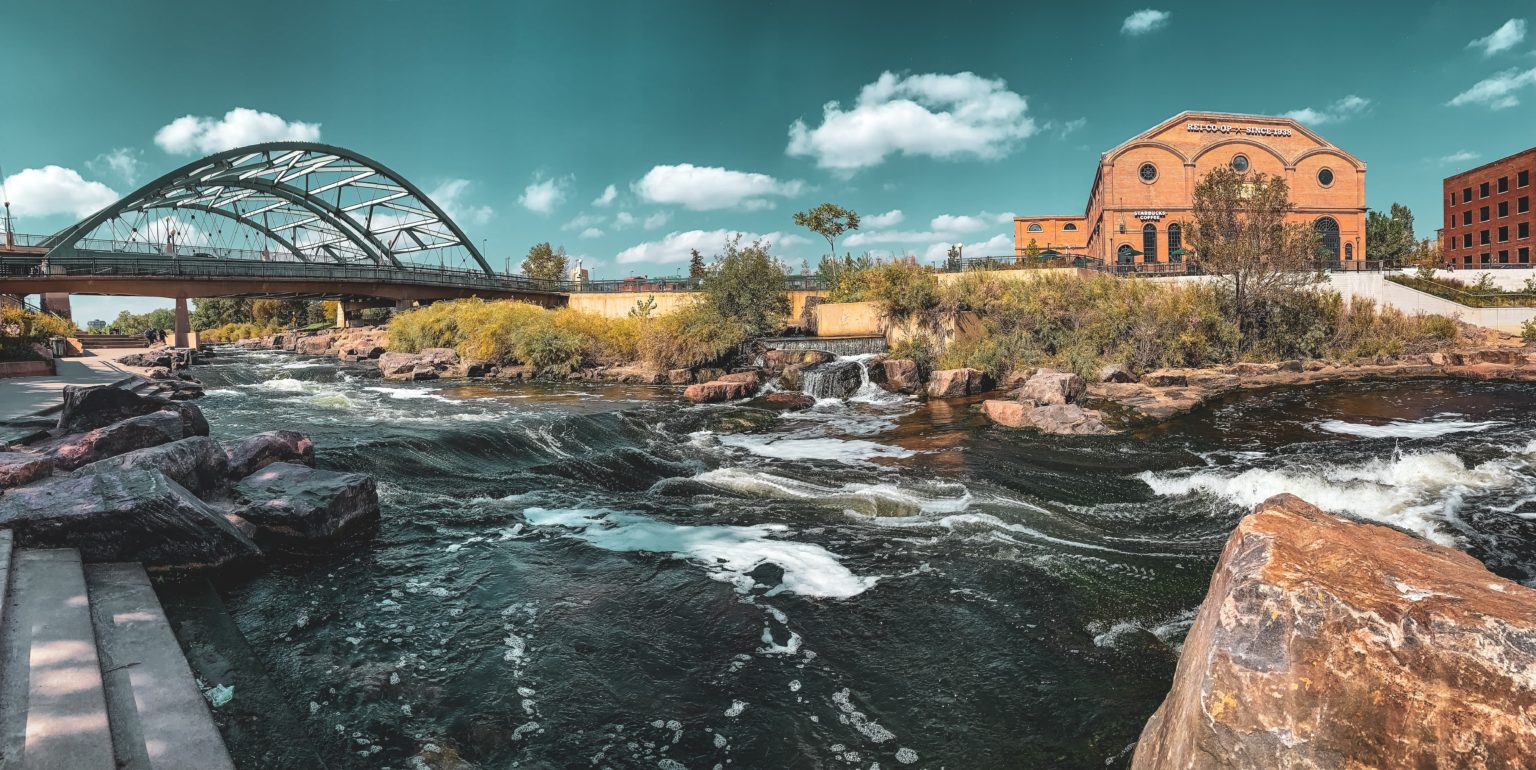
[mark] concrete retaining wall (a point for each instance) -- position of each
(848, 319)
(618, 304)
(26, 368)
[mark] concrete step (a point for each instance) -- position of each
(53, 712)
(158, 717)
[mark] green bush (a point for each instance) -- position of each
(902, 289)
(692, 336)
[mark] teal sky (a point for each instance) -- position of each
(521, 115)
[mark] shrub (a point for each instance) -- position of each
(1528, 329)
(902, 289)
(747, 286)
(693, 336)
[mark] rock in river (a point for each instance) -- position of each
(18, 468)
(275, 446)
(297, 501)
(139, 432)
(834, 379)
(87, 407)
(1328, 643)
(949, 383)
(197, 463)
(1047, 387)
(123, 515)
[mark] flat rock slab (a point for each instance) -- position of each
(124, 515)
(197, 463)
(147, 430)
(253, 453)
(88, 407)
(295, 501)
(1329, 643)
(19, 468)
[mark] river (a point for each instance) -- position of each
(593, 576)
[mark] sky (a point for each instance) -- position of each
(631, 132)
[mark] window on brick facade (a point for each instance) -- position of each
(1523, 204)
(1503, 208)
(1482, 238)
(1523, 179)
(1466, 217)
(1175, 243)
(1466, 241)
(1485, 257)
(1523, 230)
(1453, 197)
(1149, 242)
(1466, 195)
(1467, 260)
(1482, 190)
(1482, 214)
(1525, 255)
(1328, 237)
(1504, 256)
(1504, 234)
(1503, 184)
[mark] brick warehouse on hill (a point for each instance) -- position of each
(1142, 195)
(1488, 216)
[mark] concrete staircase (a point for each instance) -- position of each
(105, 341)
(91, 676)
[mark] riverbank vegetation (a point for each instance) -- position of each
(1482, 292)
(20, 328)
(228, 320)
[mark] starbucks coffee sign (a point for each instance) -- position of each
(1150, 215)
(1218, 128)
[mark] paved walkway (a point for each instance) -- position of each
(28, 401)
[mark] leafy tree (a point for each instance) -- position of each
(1031, 252)
(1240, 232)
(136, 323)
(545, 263)
(696, 268)
(1389, 237)
(829, 221)
(952, 258)
(216, 312)
(746, 286)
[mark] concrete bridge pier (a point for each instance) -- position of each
(183, 324)
(57, 303)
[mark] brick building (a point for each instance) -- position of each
(1142, 196)
(1488, 215)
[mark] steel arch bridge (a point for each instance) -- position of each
(280, 201)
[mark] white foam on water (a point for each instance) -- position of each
(1416, 491)
(726, 553)
(833, 449)
(409, 394)
(222, 392)
(1430, 428)
(879, 498)
(286, 385)
(302, 365)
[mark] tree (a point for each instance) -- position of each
(1240, 232)
(1389, 237)
(696, 268)
(828, 220)
(747, 286)
(213, 313)
(1031, 252)
(545, 263)
(952, 258)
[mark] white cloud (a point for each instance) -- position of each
(655, 220)
(609, 194)
(996, 246)
(1072, 126)
(583, 221)
(937, 116)
(193, 134)
(591, 232)
(946, 227)
(623, 219)
(1460, 156)
(544, 195)
(1499, 92)
(888, 219)
(1340, 110)
(1511, 34)
(1144, 21)
(676, 246)
(53, 190)
(450, 196)
(703, 188)
(122, 162)
(965, 223)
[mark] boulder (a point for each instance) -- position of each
(197, 463)
(19, 468)
(296, 501)
(1115, 373)
(837, 379)
(1056, 419)
(635, 374)
(949, 383)
(275, 446)
(791, 377)
(717, 391)
(1165, 378)
(124, 515)
(88, 407)
(902, 375)
(148, 430)
(788, 401)
(1007, 412)
(315, 344)
(679, 376)
(429, 364)
(193, 423)
(1053, 387)
(752, 377)
(776, 360)
(1329, 643)
(154, 359)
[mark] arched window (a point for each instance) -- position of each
(1349, 251)
(1149, 242)
(1069, 227)
(1034, 227)
(1328, 238)
(1175, 243)
(1126, 255)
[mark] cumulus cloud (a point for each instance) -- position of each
(678, 246)
(936, 116)
(609, 194)
(996, 246)
(195, 134)
(591, 232)
(624, 219)
(1144, 21)
(543, 195)
(888, 219)
(54, 190)
(1341, 110)
(703, 188)
(1507, 36)
(1499, 92)
(655, 220)
(944, 227)
(1460, 156)
(583, 221)
(450, 196)
(123, 162)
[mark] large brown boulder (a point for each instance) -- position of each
(429, 364)
(296, 501)
(718, 390)
(253, 453)
(1056, 419)
(902, 375)
(87, 407)
(197, 463)
(1328, 643)
(775, 360)
(1052, 387)
(19, 468)
(148, 430)
(949, 383)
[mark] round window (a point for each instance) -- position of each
(1240, 164)
(1148, 172)
(1325, 177)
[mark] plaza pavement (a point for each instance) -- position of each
(28, 403)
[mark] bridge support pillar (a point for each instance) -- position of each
(183, 324)
(347, 314)
(58, 304)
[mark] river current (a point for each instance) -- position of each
(600, 576)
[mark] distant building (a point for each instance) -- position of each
(1488, 216)
(1142, 196)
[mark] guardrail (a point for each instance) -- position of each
(1475, 299)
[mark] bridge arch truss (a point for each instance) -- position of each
(277, 202)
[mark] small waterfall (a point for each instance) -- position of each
(837, 346)
(835, 379)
